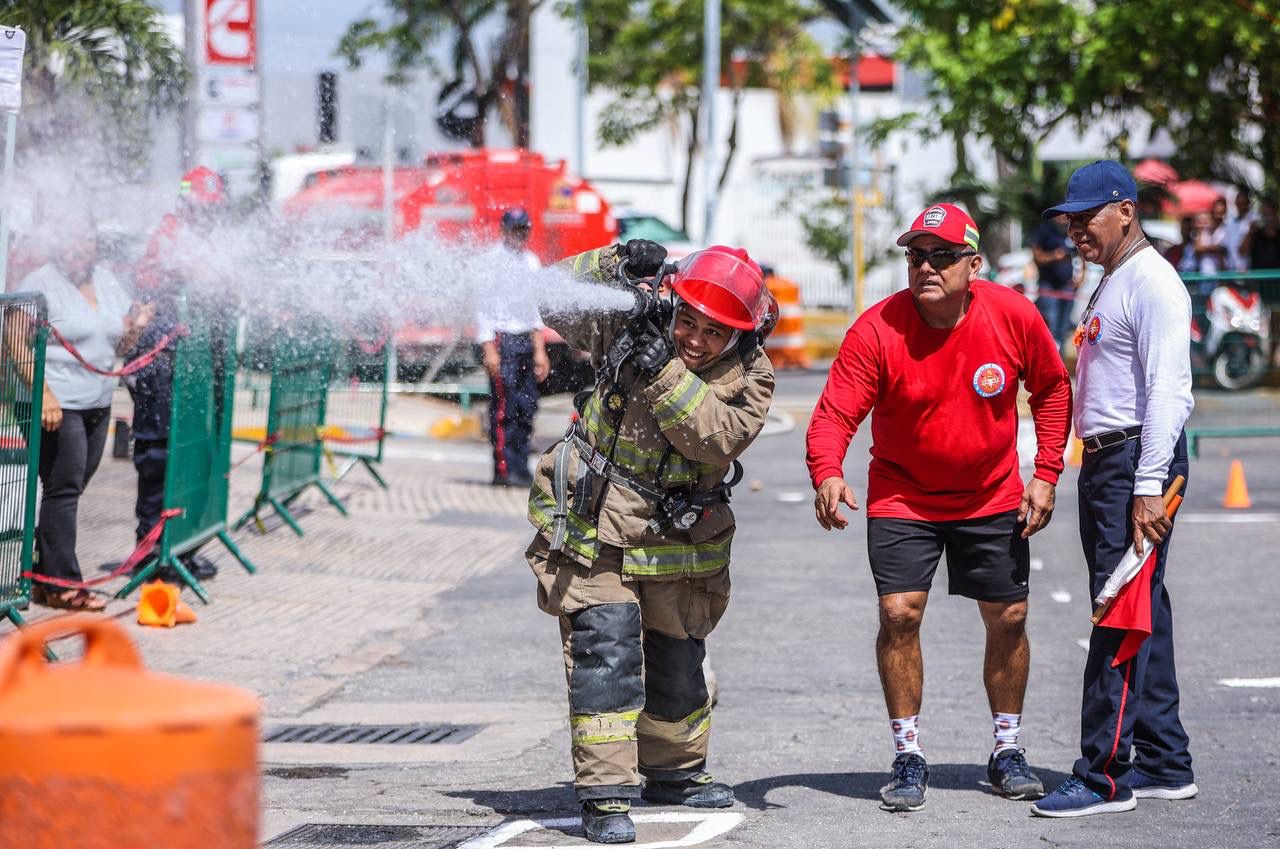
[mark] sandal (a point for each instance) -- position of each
(78, 600)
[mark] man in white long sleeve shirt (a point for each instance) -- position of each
(1133, 396)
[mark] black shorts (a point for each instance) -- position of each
(987, 558)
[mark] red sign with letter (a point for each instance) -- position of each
(230, 32)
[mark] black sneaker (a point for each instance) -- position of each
(907, 785)
(696, 791)
(200, 567)
(1012, 778)
(608, 821)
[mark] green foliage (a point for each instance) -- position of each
(649, 54)
(111, 55)
(1010, 71)
(417, 26)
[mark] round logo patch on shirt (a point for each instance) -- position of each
(988, 380)
(1094, 332)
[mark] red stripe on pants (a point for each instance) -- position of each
(500, 414)
(1115, 746)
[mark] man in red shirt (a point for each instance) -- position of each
(940, 363)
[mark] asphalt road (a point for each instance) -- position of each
(801, 729)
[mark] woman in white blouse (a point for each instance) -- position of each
(92, 311)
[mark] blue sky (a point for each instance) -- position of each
(300, 34)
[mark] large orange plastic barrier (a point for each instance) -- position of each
(102, 754)
(786, 344)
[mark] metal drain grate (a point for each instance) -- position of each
(338, 836)
(399, 735)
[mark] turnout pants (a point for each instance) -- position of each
(513, 402)
(633, 653)
(1134, 705)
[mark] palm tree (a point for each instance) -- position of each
(110, 61)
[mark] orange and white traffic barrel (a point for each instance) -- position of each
(786, 344)
(104, 753)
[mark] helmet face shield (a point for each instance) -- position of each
(725, 285)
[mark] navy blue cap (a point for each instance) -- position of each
(1101, 182)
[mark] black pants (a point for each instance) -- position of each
(513, 402)
(1134, 705)
(68, 458)
(150, 456)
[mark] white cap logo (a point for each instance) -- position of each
(933, 217)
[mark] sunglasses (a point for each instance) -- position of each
(940, 259)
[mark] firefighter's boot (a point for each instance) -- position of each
(699, 790)
(608, 821)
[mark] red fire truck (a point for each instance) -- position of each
(461, 196)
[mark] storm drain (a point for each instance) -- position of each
(338, 836)
(397, 735)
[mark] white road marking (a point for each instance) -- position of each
(1269, 683)
(1228, 518)
(792, 497)
(1061, 596)
(1083, 643)
(706, 827)
(1037, 564)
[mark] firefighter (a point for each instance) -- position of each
(174, 250)
(515, 357)
(633, 518)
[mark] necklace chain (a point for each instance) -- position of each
(1088, 310)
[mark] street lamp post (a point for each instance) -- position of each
(856, 258)
(710, 86)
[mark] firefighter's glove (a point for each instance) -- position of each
(644, 258)
(653, 351)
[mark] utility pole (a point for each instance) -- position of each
(857, 260)
(580, 128)
(710, 87)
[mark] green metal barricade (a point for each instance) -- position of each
(301, 369)
(356, 409)
(22, 350)
(198, 469)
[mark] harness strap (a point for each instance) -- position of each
(560, 485)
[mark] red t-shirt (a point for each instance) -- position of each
(945, 428)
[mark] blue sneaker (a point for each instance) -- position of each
(1074, 799)
(1011, 777)
(1146, 787)
(907, 785)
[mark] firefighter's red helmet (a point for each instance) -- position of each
(202, 187)
(726, 285)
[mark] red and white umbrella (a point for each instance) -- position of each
(1190, 197)
(1157, 172)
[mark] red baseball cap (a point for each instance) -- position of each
(946, 221)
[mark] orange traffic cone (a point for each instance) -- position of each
(160, 607)
(1237, 494)
(1075, 452)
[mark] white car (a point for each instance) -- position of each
(636, 224)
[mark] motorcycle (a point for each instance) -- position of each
(1233, 340)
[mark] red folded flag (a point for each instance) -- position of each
(1130, 610)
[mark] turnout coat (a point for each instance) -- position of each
(680, 429)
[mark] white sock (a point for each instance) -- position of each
(906, 734)
(1007, 727)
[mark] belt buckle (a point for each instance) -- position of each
(597, 462)
(1116, 437)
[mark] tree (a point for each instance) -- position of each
(1011, 71)
(480, 76)
(111, 55)
(649, 53)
